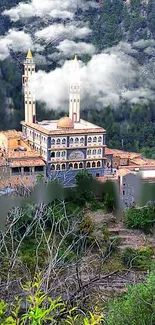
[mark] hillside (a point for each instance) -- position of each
(118, 34)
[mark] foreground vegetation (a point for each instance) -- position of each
(57, 262)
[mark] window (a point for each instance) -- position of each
(81, 165)
(123, 192)
(16, 170)
(88, 152)
(71, 140)
(94, 151)
(53, 142)
(63, 153)
(93, 164)
(88, 164)
(52, 167)
(63, 166)
(94, 139)
(89, 139)
(39, 169)
(99, 151)
(99, 139)
(71, 100)
(98, 164)
(26, 169)
(70, 165)
(26, 102)
(82, 140)
(75, 166)
(52, 154)
(57, 167)
(76, 140)
(58, 141)
(63, 141)
(97, 175)
(30, 102)
(58, 154)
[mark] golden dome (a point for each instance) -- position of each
(65, 122)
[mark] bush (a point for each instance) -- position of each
(140, 258)
(140, 218)
(136, 307)
(109, 202)
(87, 226)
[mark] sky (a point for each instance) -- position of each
(106, 79)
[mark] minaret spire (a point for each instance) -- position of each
(29, 97)
(74, 92)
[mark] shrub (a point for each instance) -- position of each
(109, 202)
(140, 218)
(140, 258)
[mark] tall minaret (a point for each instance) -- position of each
(74, 92)
(29, 97)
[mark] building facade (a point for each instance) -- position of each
(67, 145)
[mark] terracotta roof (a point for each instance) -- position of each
(22, 154)
(143, 162)
(122, 154)
(12, 133)
(124, 172)
(108, 151)
(27, 163)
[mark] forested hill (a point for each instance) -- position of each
(116, 25)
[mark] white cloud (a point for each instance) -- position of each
(69, 31)
(105, 76)
(18, 41)
(69, 48)
(41, 8)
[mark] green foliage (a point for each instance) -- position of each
(109, 202)
(136, 307)
(42, 309)
(137, 258)
(87, 226)
(140, 218)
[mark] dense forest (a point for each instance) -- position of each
(129, 126)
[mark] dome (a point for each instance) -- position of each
(65, 122)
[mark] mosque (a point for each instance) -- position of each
(67, 145)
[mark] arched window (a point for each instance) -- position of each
(57, 167)
(53, 142)
(94, 139)
(89, 140)
(63, 153)
(99, 151)
(63, 166)
(75, 166)
(82, 140)
(58, 154)
(81, 165)
(63, 141)
(52, 154)
(52, 167)
(93, 164)
(58, 141)
(71, 140)
(94, 151)
(76, 140)
(98, 164)
(100, 139)
(88, 152)
(88, 164)
(70, 165)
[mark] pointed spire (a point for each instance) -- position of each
(29, 54)
(76, 57)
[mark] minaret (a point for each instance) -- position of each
(74, 92)
(29, 97)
